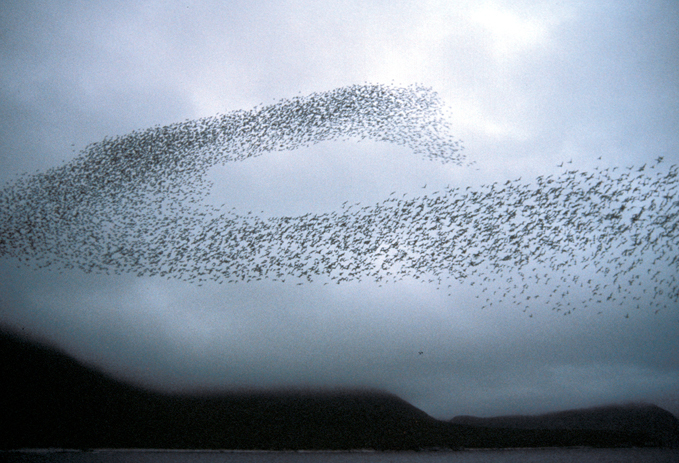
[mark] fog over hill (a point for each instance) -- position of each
(51, 401)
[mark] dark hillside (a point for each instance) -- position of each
(631, 418)
(49, 400)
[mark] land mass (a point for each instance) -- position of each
(49, 400)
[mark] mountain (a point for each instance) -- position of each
(631, 418)
(48, 400)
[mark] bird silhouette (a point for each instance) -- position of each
(137, 204)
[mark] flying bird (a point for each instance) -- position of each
(137, 204)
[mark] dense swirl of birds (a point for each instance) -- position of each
(135, 203)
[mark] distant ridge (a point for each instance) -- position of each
(633, 417)
(49, 400)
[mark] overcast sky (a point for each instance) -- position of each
(528, 85)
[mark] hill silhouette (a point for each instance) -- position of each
(51, 401)
(631, 418)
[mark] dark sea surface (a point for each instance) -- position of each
(466, 456)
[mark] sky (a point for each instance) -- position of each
(530, 88)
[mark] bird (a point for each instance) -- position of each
(137, 204)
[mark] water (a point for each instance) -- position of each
(467, 456)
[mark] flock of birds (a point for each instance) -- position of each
(137, 203)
